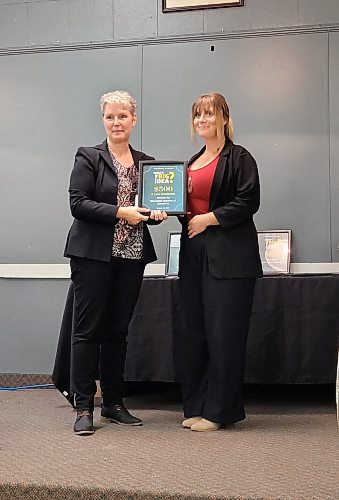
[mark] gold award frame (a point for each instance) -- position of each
(175, 5)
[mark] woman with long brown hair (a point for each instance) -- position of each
(218, 266)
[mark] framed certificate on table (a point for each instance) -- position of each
(172, 254)
(275, 251)
(163, 186)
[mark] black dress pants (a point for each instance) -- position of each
(216, 315)
(105, 295)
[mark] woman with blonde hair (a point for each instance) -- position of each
(109, 245)
(218, 266)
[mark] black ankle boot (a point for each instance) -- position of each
(119, 414)
(84, 423)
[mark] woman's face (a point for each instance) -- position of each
(205, 123)
(118, 122)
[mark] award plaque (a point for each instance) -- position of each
(172, 254)
(163, 186)
(275, 251)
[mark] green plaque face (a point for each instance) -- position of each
(163, 186)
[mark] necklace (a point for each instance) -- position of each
(215, 151)
(219, 147)
(206, 162)
(208, 158)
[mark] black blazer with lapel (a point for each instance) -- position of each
(232, 247)
(93, 199)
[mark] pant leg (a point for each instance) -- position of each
(193, 352)
(227, 309)
(127, 276)
(92, 288)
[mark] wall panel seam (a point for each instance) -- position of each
(329, 145)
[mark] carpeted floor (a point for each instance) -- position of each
(287, 449)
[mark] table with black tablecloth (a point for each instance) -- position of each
(293, 334)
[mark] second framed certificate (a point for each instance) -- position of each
(275, 251)
(163, 186)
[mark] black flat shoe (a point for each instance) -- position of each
(119, 414)
(84, 423)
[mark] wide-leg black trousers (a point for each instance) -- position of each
(215, 318)
(105, 295)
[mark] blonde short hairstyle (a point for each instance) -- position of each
(218, 104)
(119, 97)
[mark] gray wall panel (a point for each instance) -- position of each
(278, 93)
(48, 23)
(31, 313)
(334, 128)
(227, 20)
(96, 16)
(13, 25)
(46, 115)
(273, 13)
(315, 12)
(135, 20)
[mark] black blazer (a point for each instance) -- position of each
(232, 247)
(93, 199)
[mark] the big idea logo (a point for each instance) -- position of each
(163, 177)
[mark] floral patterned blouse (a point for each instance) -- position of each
(128, 239)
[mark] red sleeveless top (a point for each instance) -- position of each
(199, 188)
